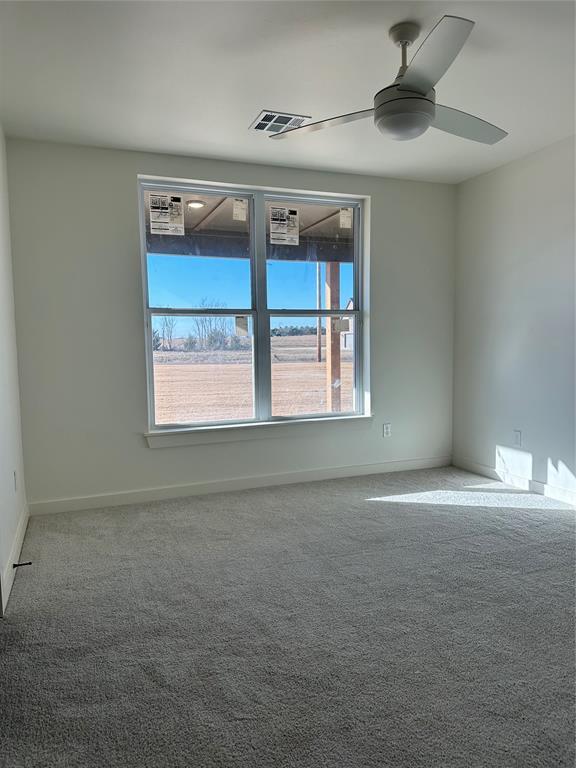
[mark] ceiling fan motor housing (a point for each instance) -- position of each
(403, 115)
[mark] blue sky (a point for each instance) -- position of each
(183, 281)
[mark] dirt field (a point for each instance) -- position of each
(217, 385)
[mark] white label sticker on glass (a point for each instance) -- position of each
(241, 326)
(284, 226)
(345, 218)
(240, 209)
(166, 214)
(340, 325)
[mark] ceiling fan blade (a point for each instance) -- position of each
(467, 126)
(436, 54)
(329, 123)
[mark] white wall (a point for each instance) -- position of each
(13, 510)
(515, 344)
(80, 331)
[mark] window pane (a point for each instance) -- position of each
(310, 255)
(203, 368)
(198, 257)
(196, 282)
(312, 365)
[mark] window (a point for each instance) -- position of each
(253, 305)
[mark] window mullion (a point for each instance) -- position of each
(262, 378)
(358, 300)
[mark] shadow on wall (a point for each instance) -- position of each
(515, 467)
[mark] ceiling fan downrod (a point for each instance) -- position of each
(403, 35)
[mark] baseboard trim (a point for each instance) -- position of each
(555, 492)
(10, 572)
(232, 484)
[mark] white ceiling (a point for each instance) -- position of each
(189, 78)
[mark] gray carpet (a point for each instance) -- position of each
(411, 619)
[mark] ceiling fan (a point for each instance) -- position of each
(407, 108)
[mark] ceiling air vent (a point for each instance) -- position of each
(274, 122)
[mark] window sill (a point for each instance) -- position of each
(231, 433)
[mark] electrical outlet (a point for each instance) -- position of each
(517, 438)
(387, 429)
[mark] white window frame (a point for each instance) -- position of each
(259, 312)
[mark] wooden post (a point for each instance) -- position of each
(333, 369)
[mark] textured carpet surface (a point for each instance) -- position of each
(410, 619)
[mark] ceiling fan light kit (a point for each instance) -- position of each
(402, 116)
(407, 108)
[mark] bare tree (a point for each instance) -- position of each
(167, 330)
(211, 330)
